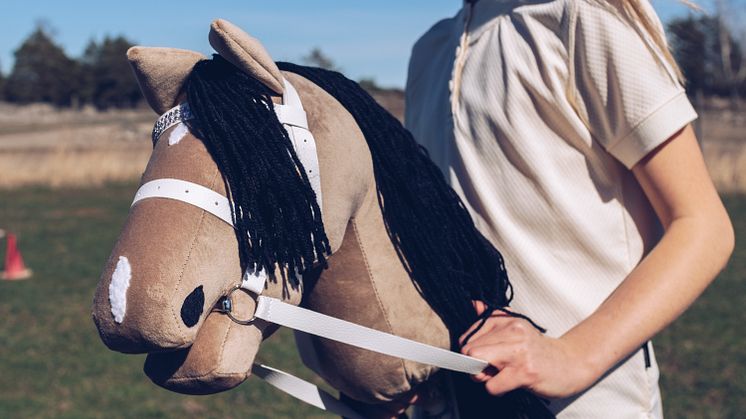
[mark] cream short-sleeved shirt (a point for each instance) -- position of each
(536, 111)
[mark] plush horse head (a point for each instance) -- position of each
(374, 235)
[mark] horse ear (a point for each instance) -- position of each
(246, 53)
(161, 73)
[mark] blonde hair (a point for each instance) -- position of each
(640, 14)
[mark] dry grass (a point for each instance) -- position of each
(70, 167)
(727, 165)
(724, 145)
(43, 146)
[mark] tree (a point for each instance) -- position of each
(709, 55)
(689, 46)
(2, 84)
(369, 84)
(106, 74)
(732, 64)
(42, 72)
(317, 58)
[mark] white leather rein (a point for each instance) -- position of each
(293, 118)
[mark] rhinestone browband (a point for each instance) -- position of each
(173, 116)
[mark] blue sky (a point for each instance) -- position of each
(366, 39)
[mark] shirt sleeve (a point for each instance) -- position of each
(624, 89)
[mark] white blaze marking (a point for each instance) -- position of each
(120, 281)
(179, 131)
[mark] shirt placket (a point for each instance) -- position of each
(454, 84)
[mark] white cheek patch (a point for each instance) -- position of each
(179, 131)
(120, 282)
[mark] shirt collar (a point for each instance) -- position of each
(485, 11)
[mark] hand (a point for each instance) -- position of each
(522, 357)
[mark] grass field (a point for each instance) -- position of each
(52, 363)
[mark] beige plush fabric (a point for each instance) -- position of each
(246, 53)
(161, 73)
(174, 248)
(365, 282)
(222, 353)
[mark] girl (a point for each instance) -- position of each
(564, 126)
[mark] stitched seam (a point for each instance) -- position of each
(648, 387)
(188, 259)
(481, 30)
(373, 285)
(625, 224)
(571, 87)
(222, 346)
(217, 177)
(183, 269)
(651, 114)
(192, 377)
(220, 359)
(459, 63)
(646, 378)
(648, 382)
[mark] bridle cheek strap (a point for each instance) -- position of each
(293, 117)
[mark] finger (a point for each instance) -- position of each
(470, 333)
(484, 327)
(498, 319)
(509, 329)
(499, 356)
(496, 335)
(498, 332)
(506, 380)
(479, 308)
(486, 374)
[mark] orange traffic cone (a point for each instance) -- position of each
(14, 267)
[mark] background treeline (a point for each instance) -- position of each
(710, 53)
(42, 72)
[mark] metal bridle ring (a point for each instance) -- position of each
(227, 306)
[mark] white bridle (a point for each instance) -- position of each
(293, 117)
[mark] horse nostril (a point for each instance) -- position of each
(193, 306)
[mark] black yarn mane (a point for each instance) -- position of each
(278, 221)
(275, 213)
(448, 259)
(446, 256)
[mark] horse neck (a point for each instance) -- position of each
(345, 164)
(365, 283)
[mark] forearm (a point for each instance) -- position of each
(691, 253)
(698, 241)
